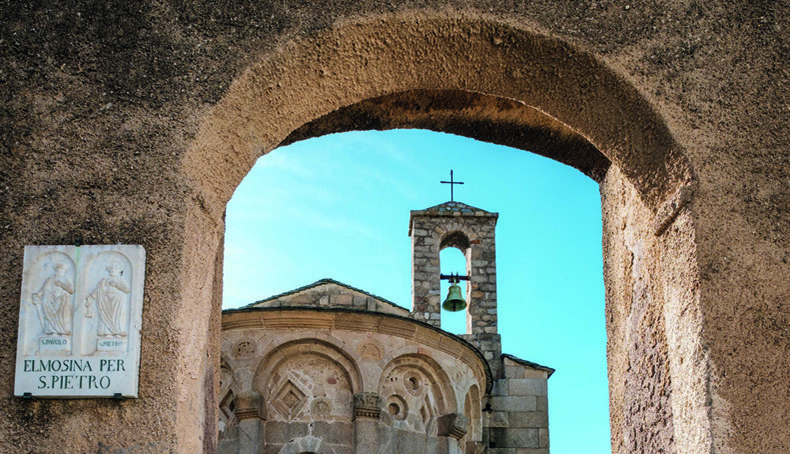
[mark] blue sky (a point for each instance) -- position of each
(338, 207)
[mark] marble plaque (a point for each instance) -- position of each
(79, 321)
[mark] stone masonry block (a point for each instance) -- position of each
(499, 419)
(514, 371)
(408, 441)
(341, 300)
(528, 387)
(341, 449)
(272, 448)
(503, 438)
(500, 388)
(543, 436)
(283, 432)
(517, 403)
(517, 438)
(534, 419)
(542, 403)
(334, 432)
(534, 373)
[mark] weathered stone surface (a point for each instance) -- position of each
(528, 387)
(514, 403)
(498, 419)
(134, 124)
(331, 293)
(355, 379)
(528, 419)
(514, 437)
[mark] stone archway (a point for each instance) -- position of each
(507, 85)
(134, 124)
(474, 65)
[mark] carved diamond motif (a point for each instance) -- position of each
(289, 400)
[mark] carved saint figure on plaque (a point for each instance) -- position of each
(53, 303)
(110, 298)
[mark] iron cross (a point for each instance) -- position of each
(452, 183)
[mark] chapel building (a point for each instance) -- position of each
(329, 368)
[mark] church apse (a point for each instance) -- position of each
(331, 368)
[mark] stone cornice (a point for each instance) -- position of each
(247, 413)
(359, 320)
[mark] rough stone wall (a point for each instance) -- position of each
(425, 270)
(640, 387)
(112, 131)
(519, 418)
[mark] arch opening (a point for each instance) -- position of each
(525, 92)
(257, 115)
(455, 260)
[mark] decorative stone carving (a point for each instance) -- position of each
(247, 405)
(63, 349)
(305, 382)
(367, 405)
(371, 351)
(414, 383)
(227, 404)
(397, 407)
(244, 349)
(453, 425)
(409, 387)
(322, 407)
(53, 302)
(109, 296)
(289, 399)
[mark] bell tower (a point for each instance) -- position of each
(470, 230)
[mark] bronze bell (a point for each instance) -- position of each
(454, 302)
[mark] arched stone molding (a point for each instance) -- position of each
(476, 115)
(338, 321)
(478, 374)
(415, 391)
(473, 412)
(274, 345)
(307, 376)
(332, 71)
(265, 344)
(457, 238)
(241, 365)
(570, 92)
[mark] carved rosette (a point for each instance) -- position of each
(367, 405)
